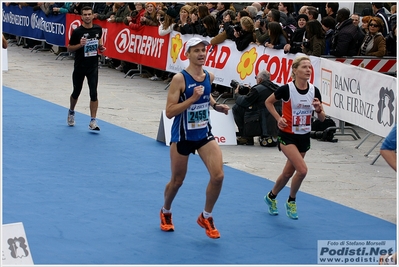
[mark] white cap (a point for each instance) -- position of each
(194, 41)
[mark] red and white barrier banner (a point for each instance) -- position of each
(376, 64)
(359, 96)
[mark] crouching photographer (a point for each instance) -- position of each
(250, 113)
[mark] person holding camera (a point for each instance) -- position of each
(137, 11)
(277, 37)
(244, 33)
(250, 102)
(295, 44)
(300, 99)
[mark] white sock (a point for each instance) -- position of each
(206, 214)
(165, 210)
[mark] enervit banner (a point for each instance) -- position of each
(143, 46)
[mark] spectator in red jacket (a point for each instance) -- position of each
(137, 11)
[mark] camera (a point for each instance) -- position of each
(299, 44)
(242, 89)
(237, 28)
(262, 22)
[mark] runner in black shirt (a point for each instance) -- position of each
(86, 42)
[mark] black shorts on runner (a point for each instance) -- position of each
(301, 141)
(186, 147)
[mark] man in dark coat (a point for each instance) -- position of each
(252, 105)
(345, 41)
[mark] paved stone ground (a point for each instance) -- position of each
(337, 171)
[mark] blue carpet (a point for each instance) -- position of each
(94, 198)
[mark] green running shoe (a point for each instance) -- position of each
(291, 210)
(272, 203)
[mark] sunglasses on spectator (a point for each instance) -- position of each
(373, 25)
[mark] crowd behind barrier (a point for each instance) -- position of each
(350, 93)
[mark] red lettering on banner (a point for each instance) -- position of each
(218, 59)
(220, 139)
(279, 68)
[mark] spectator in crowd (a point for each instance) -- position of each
(355, 19)
(391, 43)
(106, 13)
(312, 13)
(287, 8)
(98, 7)
(211, 8)
(261, 32)
(374, 42)
(274, 15)
(182, 25)
(195, 25)
(254, 102)
(167, 22)
(392, 18)
(45, 7)
(252, 11)
(203, 11)
(328, 24)
(137, 11)
(277, 37)
(228, 30)
(228, 20)
(299, 35)
(120, 13)
(211, 26)
(258, 7)
(150, 19)
(316, 44)
(221, 7)
(150, 15)
(61, 8)
(365, 24)
(76, 7)
(331, 9)
(302, 10)
(378, 10)
(245, 34)
(346, 38)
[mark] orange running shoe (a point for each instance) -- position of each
(210, 228)
(166, 222)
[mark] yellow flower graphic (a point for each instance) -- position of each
(246, 65)
(177, 44)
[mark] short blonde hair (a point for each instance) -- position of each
(295, 64)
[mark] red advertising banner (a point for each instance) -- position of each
(144, 46)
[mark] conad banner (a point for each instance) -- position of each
(227, 63)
